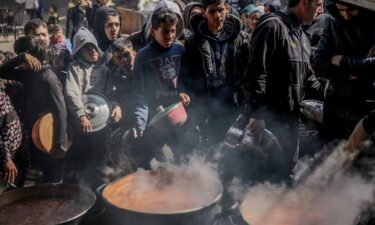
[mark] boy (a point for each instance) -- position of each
(88, 73)
(123, 57)
(156, 70)
(43, 95)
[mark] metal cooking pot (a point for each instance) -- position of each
(46, 204)
(98, 110)
(202, 215)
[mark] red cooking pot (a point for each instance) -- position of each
(168, 118)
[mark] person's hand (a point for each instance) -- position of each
(138, 133)
(185, 99)
(85, 124)
(31, 63)
(11, 171)
(256, 127)
(116, 114)
(336, 60)
(356, 138)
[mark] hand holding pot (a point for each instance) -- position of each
(116, 114)
(185, 99)
(85, 124)
(256, 127)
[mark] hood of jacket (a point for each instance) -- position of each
(176, 9)
(232, 27)
(365, 16)
(186, 13)
(82, 37)
(99, 32)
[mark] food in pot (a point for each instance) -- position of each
(40, 211)
(162, 191)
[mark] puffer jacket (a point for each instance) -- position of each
(198, 73)
(279, 76)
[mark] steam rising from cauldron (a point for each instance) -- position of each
(167, 187)
(324, 195)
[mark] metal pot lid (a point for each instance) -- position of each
(312, 109)
(97, 109)
(163, 112)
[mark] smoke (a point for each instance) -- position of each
(168, 187)
(324, 193)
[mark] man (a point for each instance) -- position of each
(279, 76)
(343, 57)
(39, 29)
(215, 58)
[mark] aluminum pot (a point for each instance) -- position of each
(46, 204)
(202, 215)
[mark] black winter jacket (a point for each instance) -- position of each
(352, 39)
(279, 76)
(198, 66)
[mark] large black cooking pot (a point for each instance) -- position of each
(203, 215)
(46, 204)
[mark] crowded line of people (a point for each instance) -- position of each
(218, 63)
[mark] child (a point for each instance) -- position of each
(43, 95)
(123, 58)
(59, 60)
(156, 70)
(88, 73)
(58, 39)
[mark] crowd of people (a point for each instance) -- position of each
(221, 60)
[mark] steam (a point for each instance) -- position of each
(168, 187)
(326, 195)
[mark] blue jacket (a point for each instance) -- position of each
(156, 72)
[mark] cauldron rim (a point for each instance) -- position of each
(156, 213)
(62, 186)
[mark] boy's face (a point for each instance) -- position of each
(215, 15)
(124, 60)
(165, 34)
(112, 27)
(90, 53)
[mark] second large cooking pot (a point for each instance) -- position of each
(157, 198)
(46, 204)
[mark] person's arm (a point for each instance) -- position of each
(14, 68)
(255, 75)
(60, 114)
(361, 132)
(140, 96)
(111, 92)
(358, 66)
(73, 94)
(324, 53)
(315, 89)
(264, 44)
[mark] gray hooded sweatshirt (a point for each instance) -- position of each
(86, 77)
